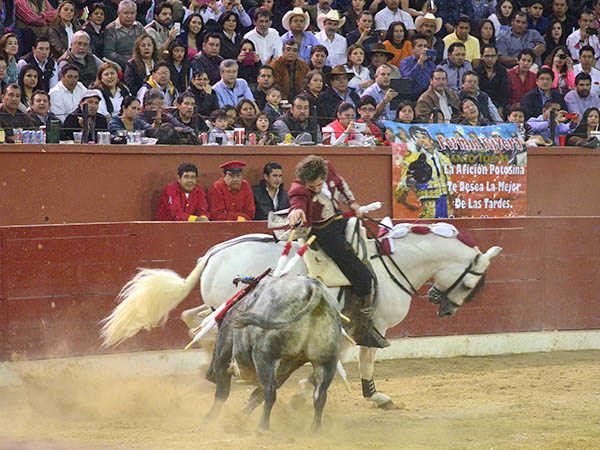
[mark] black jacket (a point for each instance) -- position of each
(330, 99)
(264, 203)
(71, 124)
(532, 102)
(205, 103)
(497, 87)
(208, 65)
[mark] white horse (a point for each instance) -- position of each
(457, 268)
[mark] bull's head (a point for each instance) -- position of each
(457, 284)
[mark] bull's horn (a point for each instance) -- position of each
(345, 318)
(204, 313)
(347, 336)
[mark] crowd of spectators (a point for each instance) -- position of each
(295, 71)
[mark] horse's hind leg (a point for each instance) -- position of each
(323, 376)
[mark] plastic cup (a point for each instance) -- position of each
(562, 141)
(77, 136)
(240, 135)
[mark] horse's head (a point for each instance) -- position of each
(456, 284)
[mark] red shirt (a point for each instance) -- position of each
(516, 87)
(224, 204)
(174, 205)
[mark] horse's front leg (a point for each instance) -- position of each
(366, 366)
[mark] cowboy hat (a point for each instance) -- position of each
(429, 16)
(285, 21)
(331, 15)
(379, 48)
(338, 70)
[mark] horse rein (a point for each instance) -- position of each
(435, 295)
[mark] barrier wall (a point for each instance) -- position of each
(58, 281)
(42, 184)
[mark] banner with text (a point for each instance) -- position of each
(447, 170)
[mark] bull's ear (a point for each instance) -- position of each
(493, 251)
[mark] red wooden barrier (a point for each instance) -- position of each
(58, 282)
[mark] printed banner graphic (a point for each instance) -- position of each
(447, 170)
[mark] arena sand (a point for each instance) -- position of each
(532, 401)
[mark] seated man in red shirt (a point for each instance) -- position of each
(183, 200)
(231, 198)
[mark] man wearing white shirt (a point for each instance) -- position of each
(65, 96)
(266, 40)
(334, 43)
(40, 57)
(580, 38)
(586, 64)
(392, 13)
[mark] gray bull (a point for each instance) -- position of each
(279, 326)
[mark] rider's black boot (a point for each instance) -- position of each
(361, 324)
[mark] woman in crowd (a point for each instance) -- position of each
(128, 117)
(341, 130)
(232, 116)
(113, 91)
(583, 133)
(179, 65)
(396, 42)
(470, 114)
(62, 28)
(246, 112)
(356, 7)
(361, 79)
(192, 34)
(559, 60)
(261, 126)
(502, 19)
(140, 66)
(555, 37)
(486, 33)
(206, 99)
(405, 113)
(231, 40)
(9, 49)
(94, 27)
(313, 86)
(249, 62)
(29, 82)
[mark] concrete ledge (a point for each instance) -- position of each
(171, 362)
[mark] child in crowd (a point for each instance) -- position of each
(219, 120)
(262, 129)
(273, 99)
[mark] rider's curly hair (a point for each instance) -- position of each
(311, 168)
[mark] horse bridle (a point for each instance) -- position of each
(434, 295)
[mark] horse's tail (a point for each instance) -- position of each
(248, 318)
(146, 301)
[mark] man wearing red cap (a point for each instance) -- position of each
(231, 198)
(183, 199)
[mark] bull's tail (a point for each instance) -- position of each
(248, 318)
(146, 301)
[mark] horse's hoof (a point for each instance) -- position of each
(387, 406)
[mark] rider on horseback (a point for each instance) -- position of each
(314, 199)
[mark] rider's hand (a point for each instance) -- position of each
(356, 207)
(296, 217)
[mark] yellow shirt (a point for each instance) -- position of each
(471, 46)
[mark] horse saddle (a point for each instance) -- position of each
(322, 267)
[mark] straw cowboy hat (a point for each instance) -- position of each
(331, 15)
(338, 70)
(379, 48)
(429, 16)
(285, 21)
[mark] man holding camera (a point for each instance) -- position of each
(585, 35)
(363, 35)
(565, 123)
(418, 67)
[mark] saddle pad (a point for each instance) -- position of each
(322, 267)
